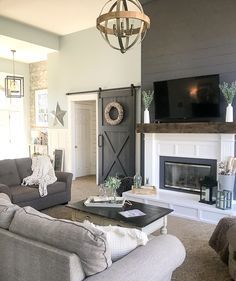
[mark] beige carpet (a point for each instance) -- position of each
(201, 263)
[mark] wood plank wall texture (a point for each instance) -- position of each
(189, 38)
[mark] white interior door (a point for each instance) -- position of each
(82, 140)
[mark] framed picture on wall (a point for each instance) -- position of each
(58, 160)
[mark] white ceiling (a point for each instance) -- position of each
(57, 16)
(25, 52)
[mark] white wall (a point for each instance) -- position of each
(21, 69)
(85, 62)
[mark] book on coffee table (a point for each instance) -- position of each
(132, 213)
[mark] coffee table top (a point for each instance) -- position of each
(152, 213)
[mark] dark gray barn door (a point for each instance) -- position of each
(116, 143)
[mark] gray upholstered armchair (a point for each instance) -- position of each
(231, 236)
(223, 241)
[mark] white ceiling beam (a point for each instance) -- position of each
(28, 33)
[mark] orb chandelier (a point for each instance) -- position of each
(123, 23)
(14, 85)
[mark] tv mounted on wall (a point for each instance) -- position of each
(193, 99)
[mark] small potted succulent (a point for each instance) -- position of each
(147, 100)
(229, 91)
(113, 183)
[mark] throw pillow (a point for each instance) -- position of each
(121, 240)
(7, 211)
(87, 242)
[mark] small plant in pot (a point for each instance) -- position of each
(229, 91)
(147, 100)
(113, 183)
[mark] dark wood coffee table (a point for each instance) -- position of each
(155, 217)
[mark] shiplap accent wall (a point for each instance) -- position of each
(189, 38)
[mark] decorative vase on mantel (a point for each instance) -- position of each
(146, 118)
(229, 113)
(147, 100)
(229, 91)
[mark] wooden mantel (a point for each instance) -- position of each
(194, 128)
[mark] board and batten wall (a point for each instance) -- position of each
(85, 62)
(189, 38)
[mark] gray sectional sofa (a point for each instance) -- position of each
(36, 247)
(12, 172)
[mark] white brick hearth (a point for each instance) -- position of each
(205, 146)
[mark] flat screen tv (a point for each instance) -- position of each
(188, 99)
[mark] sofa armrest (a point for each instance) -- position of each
(5, 189)
(67, 178)
(155, 261)
(231, 237)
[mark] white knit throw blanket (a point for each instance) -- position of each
(43, 174)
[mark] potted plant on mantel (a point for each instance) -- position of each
(147, 100)
(229, 91)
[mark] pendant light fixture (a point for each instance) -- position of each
(14, 85)
(122, 24)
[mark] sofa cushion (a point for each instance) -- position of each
(24, 193)
(7, 211)
(5, 189)
(121, 240)
(24, 167)
(21, 193)
(88, 243)
(9, 173)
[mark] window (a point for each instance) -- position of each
(41, 108)
(13, 136)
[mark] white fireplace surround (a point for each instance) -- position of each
(205, 146)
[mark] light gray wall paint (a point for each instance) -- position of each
(28, 33)
(86, 62)
(189, 38)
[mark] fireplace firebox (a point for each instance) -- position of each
(185, 174)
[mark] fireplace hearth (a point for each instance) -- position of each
(185, 174)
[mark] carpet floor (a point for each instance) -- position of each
(201, 263)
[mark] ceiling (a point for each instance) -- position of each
(25, 52)
(61, 17)
(58, 16)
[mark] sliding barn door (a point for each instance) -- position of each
(116, 142)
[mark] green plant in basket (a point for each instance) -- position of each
(147, 98)
(229, 91)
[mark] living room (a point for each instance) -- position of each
(59, 49)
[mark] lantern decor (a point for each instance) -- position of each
(208, 190)
(224, 199)
(14, 85)
(137, 181)
(122, 24)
